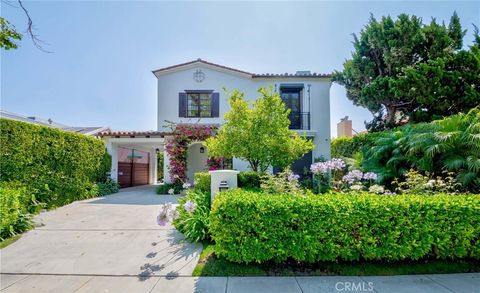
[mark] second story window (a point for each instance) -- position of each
(199, 105)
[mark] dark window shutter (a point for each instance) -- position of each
(182, 104)
(215, 104)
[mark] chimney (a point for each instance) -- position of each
(344, 127)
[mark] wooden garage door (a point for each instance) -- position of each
(133, 167)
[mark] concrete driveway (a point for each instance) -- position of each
(116, 235)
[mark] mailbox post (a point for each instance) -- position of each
(222, 180)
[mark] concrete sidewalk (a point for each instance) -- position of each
(461, 283)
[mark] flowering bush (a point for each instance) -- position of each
(327, 174)
(285, 182)
(177, 147)
(194, 213)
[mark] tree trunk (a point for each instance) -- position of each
(391, 111)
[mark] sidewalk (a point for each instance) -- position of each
(461, 283)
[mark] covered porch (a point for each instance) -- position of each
(134, 156)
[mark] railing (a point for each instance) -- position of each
(299, 120)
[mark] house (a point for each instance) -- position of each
(193, 92)
(89, 131)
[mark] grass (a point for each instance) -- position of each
(211, 265)
(9, 241)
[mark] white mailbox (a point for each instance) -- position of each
(222, 180)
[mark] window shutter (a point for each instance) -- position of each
(182, 104)
(215, 105)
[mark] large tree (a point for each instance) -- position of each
(259, 134)
(404, 69)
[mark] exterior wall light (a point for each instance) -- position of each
(202, 149)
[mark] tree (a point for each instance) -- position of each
(391, 70)
(8, 35)
(259, 134)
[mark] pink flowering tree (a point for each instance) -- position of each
(177, 147)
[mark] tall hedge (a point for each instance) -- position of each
(57, 167)
(254, 227)
(349, 146)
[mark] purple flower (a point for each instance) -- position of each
(190, 206)
(352, 176)
(370, 176)
(293, 177)
(325, 167)
(165, 214)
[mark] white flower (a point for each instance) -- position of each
(376, 189)
(186, 185)
(190, 206)
(171, 191)
(356, 187)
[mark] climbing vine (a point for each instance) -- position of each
(177, 147)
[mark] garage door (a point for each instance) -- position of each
(133, 167)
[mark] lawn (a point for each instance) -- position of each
(211, 265)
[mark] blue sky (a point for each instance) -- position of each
(99, 73)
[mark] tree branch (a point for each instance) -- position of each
(30, 28)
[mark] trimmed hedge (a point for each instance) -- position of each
(349, 146)
(249, 180)
(254, 227)
(202, 181)
(56, 166)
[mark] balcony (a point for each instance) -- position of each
(299, 120)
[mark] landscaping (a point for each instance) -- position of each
(43, 167)
(385, 206)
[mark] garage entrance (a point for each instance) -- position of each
(133, 167)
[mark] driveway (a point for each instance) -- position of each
(116, 235)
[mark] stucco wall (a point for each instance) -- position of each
(172, 83)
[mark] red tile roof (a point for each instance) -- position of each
(149, 133)
(253, 75)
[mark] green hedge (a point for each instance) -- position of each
(202, 181)
(254, 227)
(56, 166)
(249, 180)
(14, 209)
(349, 146)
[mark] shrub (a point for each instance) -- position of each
(108, 187)
(202, 181)
(57, 167)
(14, 206)
(250, 180)
(193, 215)
(167, 188)
(349, 146)
(285, 182)
(448, 145)
(251, 227)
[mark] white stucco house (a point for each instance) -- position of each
(193, 92)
